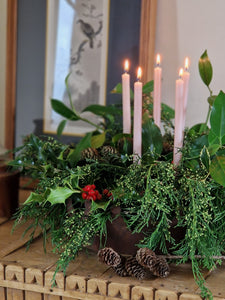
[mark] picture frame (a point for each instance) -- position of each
(76, 49)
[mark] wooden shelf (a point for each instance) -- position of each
(27, 275)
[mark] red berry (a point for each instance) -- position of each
(105, 191)
(87, 188)
(93, 187)
(99, 196)
(94, 197)
(84, 196)
(91, 193)
(89, 197)
(109, 194)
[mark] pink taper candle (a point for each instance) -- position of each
(157, 92)
(178, 131)
(186, 77)
(126, 99)
(137, 134)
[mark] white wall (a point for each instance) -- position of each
(187, 28)
(3, 14)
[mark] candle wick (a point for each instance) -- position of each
(158, 65)
(186, 69)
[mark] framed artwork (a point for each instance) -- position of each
(76, 44)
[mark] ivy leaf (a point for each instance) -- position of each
(64, 111)
(61, 127)
(59, 195)
(217, 118)
(34, 197)
(151, 136)
(98, 140)
(148, 87)
(205, 68)
(74, 155)
(217, 169)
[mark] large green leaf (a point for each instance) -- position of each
(98, 140)
(151, 136)
(101, 110)
(205, 68)
(217, 169)
(59, 107)
(217, 117)
(74, 156)
(60, 194)
(148, 87)
(61, 127)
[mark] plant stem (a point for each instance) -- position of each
(208, 114)
(91, 123)
(196, 256)
(209, 110)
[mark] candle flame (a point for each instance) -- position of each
(158, 59)
(139, 73)
(181, 72)
(186, 64)
(126, 65)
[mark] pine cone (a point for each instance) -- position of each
(121, 268)
(161, 268)
(107, 151)
(146, 258)
(157, 265)
(89, 153)
(109, 257)
(135, 269)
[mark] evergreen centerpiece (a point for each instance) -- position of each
(80, 185)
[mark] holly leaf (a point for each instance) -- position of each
(99, 204)
(34, 197)
(205, 68)
(60, 194)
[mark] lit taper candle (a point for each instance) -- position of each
(157, 92)
(126, 99)
(186, 77)
(137, 134)
(178, 130)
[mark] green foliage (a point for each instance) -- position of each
(205, 68)
(154, 198)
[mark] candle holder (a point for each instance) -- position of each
(84, 188)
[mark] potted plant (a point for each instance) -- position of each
(85, 188)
